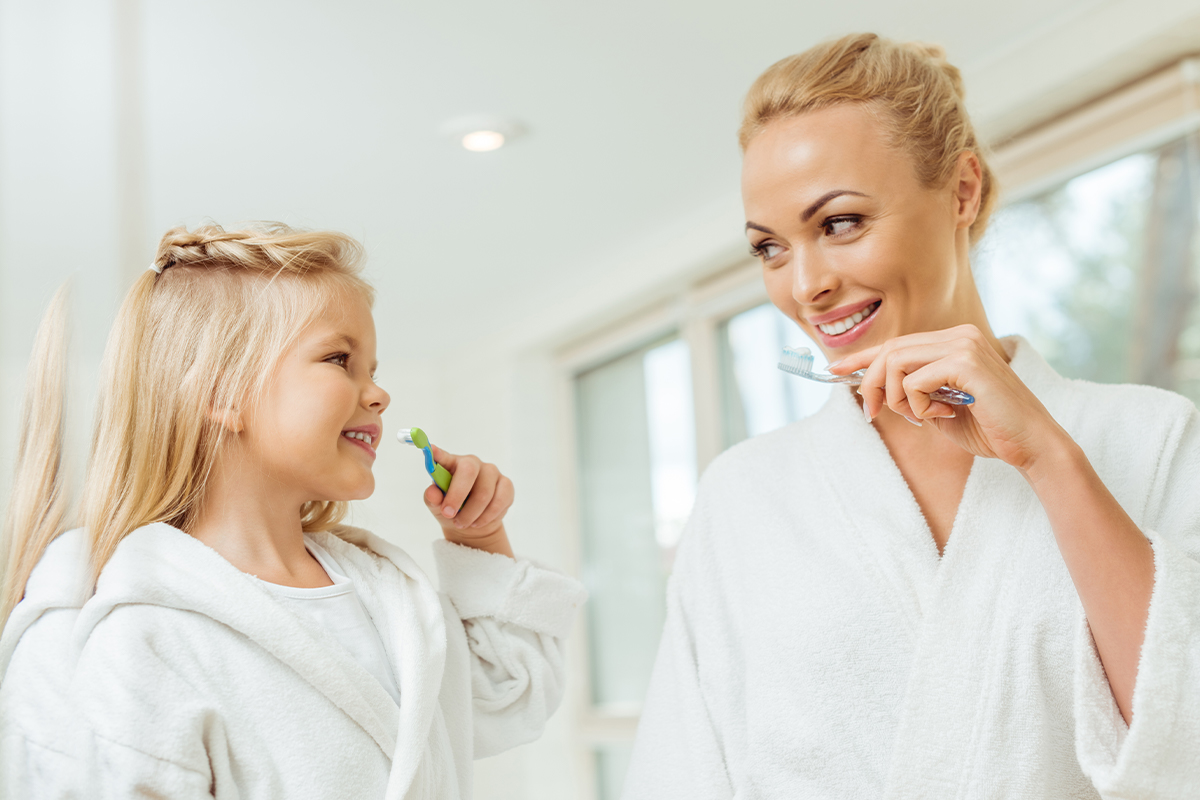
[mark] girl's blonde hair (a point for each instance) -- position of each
(200, 337)
(911, 89)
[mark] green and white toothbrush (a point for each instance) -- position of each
(417, 438)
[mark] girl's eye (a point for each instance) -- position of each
(340, 359)
(840, 226)
(766, 251)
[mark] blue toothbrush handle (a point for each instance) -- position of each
(952, 397)
(945, 394)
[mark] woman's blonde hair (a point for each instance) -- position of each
(913, 91)
(199, 337)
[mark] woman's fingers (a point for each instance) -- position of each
(889, 380)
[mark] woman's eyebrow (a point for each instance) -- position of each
(825, 198)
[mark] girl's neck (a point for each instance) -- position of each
(249, 520)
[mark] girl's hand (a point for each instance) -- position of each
(472, 510)
(1006, 420)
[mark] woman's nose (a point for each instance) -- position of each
(812, 278)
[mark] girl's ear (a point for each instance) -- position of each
(228, 418)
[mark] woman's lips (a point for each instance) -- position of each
(851, 335)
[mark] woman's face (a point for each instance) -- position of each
(854, 248)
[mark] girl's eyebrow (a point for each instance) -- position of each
(340, 340)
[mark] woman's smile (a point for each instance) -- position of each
(845, 325)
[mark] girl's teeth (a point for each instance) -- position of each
(365, 437)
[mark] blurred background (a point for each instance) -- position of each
(577, 305)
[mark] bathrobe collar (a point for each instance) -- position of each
(161, 565)
(891, 532)
(61, 579)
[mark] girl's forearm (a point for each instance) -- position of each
(1110, 560)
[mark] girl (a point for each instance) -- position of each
(895, 597)
(241, 642)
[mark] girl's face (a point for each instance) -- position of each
(323, 390)
(854, 248)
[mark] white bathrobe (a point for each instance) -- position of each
(816, 645)
(195, 681)
(38, 728)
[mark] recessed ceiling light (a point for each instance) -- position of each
(480, 133)
(482, 141)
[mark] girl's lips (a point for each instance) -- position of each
(849, 336)
(363, 445)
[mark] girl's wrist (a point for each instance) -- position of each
(494, 541)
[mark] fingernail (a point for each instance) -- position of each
(858, 391)
(448, 511)
(867, 413)
(914, 421)
(835, 363)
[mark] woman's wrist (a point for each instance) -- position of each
(1057, 457)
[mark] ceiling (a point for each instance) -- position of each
(326, 114)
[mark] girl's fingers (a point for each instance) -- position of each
(433, 498)
(447, 460)
(464, 473)
(480, 496)
(502, 500)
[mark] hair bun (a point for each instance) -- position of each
(936, 55)
(179, 246)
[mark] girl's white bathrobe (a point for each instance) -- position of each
(817, 646)
(196, 682)
(38, 727)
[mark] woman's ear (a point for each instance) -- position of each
(967, 182)
(228, 418)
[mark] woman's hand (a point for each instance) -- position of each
(471, 512)
(1006, 420)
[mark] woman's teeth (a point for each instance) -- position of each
(843, 325)
(365, 437)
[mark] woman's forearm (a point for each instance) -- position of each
(1109, 558)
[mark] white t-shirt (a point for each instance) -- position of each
(338, 609)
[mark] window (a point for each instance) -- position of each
(1099, 273)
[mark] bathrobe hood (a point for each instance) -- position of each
(60, 580)
(38, 721)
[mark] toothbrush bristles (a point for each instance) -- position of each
(797, 361)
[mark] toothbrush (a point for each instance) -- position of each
(417, 438)
(799, 361)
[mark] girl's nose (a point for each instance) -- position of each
(376, 398)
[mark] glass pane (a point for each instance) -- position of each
(637, 468)
(1099, 273)
(612, 762)
(756, 395)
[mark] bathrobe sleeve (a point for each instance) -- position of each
(678, 751)
(516, 616)
(1158, 755)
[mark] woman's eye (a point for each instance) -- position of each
(766, 251)
(339, 359)
(840, 226)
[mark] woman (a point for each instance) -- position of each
(900, 598)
